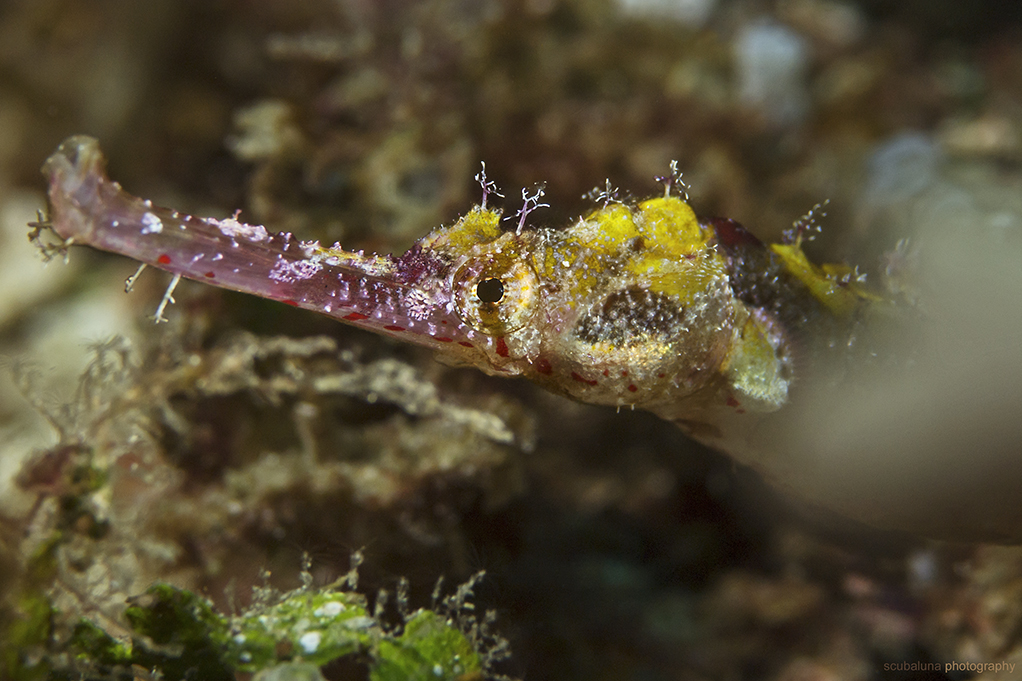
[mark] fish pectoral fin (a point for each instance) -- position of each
(758, 368)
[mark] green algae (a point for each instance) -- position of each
(179, 634)
(317, 627)
(429, 648)
(28, 633)
(96, 646)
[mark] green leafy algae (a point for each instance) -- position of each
(95, 645)
(317, 626)
(179, 634)
(188, 637)
(429, 648)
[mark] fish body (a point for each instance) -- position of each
(846, 401)
(640, 305)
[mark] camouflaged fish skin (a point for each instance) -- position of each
(633, 305)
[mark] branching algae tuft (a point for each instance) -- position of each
(633, 305)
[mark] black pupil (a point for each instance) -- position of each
(490, 290)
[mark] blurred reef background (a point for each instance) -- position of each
(229, 465)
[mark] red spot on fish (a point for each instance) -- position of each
(443, 321)
(164, 259)
(661, 375)
(502, 347)
(606, 372)
(581, 379)
(355, 316)
(394, 328)
(465, 343)
(289, 301)
(632, 388)
(732, 402)
(445, 339)
(543, 366)
(209, 275)
(624, 373)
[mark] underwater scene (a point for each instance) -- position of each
(384, 340)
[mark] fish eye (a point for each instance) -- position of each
(490, 290)
(495, 293)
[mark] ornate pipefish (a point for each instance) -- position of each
(634, 305)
